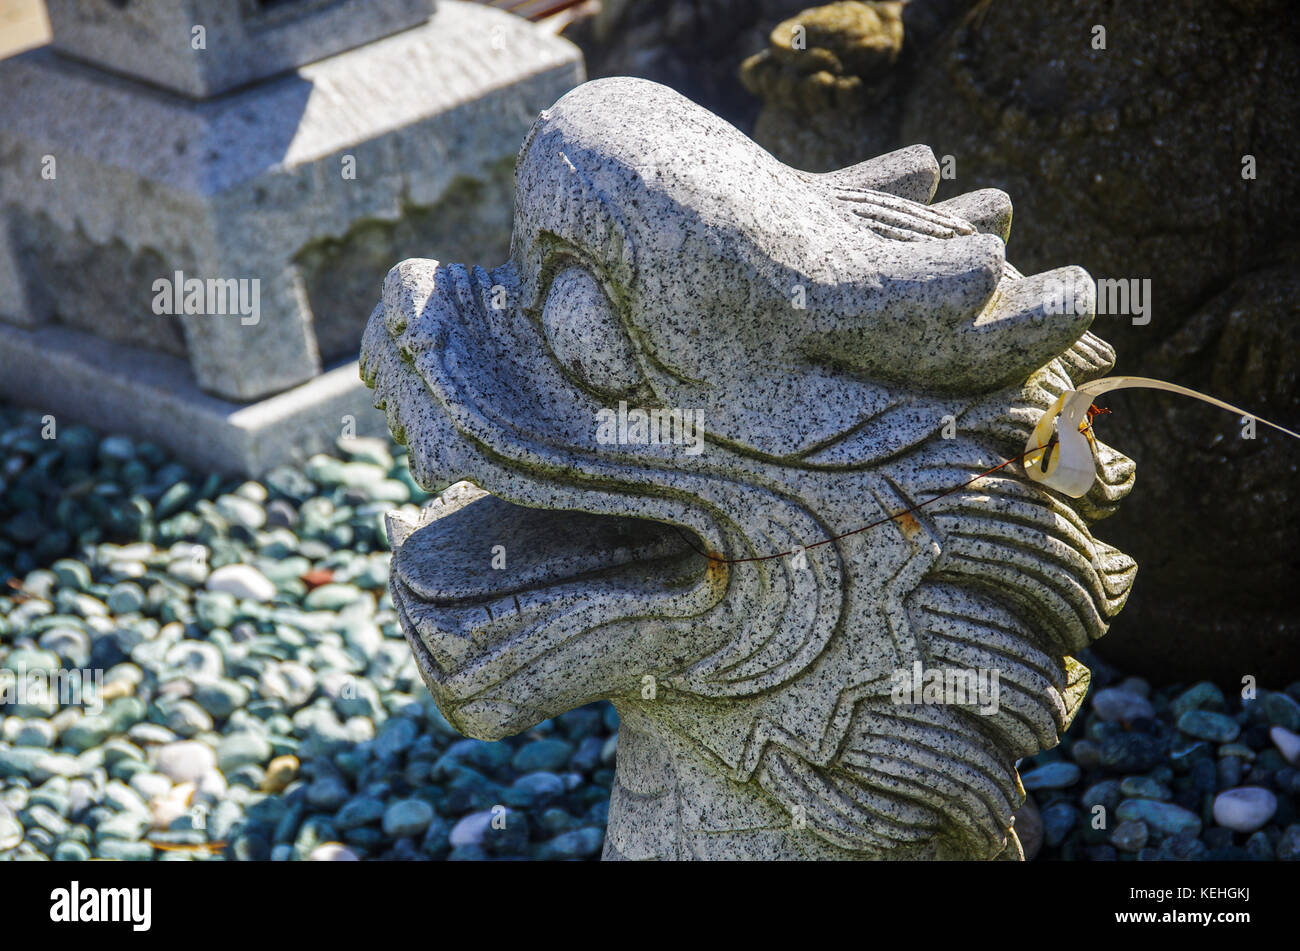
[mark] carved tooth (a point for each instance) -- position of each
(399, 528)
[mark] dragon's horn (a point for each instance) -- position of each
(911, 173)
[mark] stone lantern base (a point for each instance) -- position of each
(287, 200)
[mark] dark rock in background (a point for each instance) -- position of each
(1128, 161)
(840, 98)
(823, 65)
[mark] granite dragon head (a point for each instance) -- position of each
(697, 364)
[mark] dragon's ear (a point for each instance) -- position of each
(1024, 326)
(948, 311)
(911, 173)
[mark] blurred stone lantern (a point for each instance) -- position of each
(199, 200)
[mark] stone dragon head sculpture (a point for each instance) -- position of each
(849, 351)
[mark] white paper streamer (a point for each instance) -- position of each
(1060, 452)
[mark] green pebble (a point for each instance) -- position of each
(1163, 817)
(242, 749)
(123, 826)
(126, 598)
(1200, 696)
(1239, 750)
(1282, 711)
(221, 698)
(215, 609)
(172, 500)
(332, 597)
(1204, 725)
(1144, 787)
(71, 851)
(71, 574)
(88, 732)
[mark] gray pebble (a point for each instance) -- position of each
(1129, 836)
(1056, 775)
(1245, 809)
(408, 817)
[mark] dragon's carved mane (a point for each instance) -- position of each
(1018, 585)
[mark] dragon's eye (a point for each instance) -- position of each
(585, 333)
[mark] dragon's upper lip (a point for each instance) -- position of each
(491, 548)
(563, 517)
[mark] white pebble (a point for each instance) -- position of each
(252, 490)
(332, 852)
(213, 785)
(165, 810)
(200, 661)
(151, 785)
(139, 551)
(471, 829)
(1287, 743)
(81, 795)
(243, 581)
(184, 762)
(1245, 809)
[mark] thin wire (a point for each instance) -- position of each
(889, 518)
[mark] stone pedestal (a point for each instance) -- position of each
(119, 198)
(206, 47)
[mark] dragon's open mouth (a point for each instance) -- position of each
(483, 570)
(487, 590)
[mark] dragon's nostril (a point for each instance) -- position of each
(395, 321)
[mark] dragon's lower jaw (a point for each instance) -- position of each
(490, 593)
